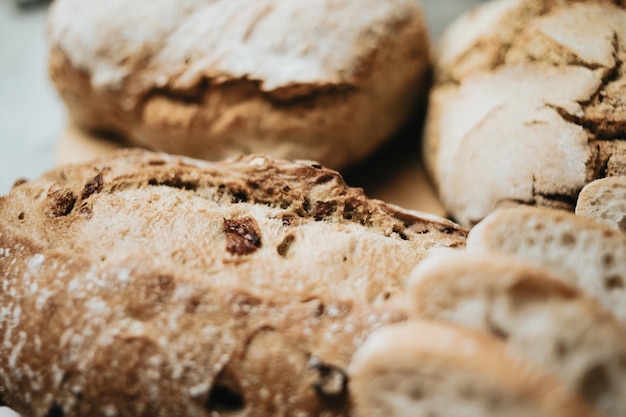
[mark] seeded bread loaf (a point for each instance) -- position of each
(528, 104)
(538, 317)
(147, 284)
(604, 200)
(420, 369)
(327, 80)
(585, 253)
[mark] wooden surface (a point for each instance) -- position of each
(393, 174)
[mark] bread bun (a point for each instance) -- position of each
(148, 284)
(321, 80)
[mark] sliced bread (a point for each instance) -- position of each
(538, 317)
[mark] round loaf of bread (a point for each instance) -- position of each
(326, 80)
(143, 284)
(529, 104)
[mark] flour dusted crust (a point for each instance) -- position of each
(147, 284)
(528, 104)
(326, 80)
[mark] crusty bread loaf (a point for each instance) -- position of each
(147, 284)
(587, 254)
(539, 317)
(422, 369)
(319, 79)
(604, 200)
(528, 104)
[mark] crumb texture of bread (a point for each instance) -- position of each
(534, 98)
(604, 200)
(157, 285)
(420, 368)
(539, 317)
(326, 80)
(583, 252)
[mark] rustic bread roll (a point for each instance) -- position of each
(327, 80)
(536, 315)
(146, 284)
(587, 254)
(528, 104)
(604, 201)
(420, 368)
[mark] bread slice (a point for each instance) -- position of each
(420, 368)
(539, 317)
(587, 254)
(148, 284)
(604, 200)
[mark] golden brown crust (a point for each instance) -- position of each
(146, 284)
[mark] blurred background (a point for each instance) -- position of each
(32, 117)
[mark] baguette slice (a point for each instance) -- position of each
(143, 284)
(420, 368)
(604, 200)
(587, 254)
(539, 317)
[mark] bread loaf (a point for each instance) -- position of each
(587, 254)
(420, 368)
(538, 317)
(147, 284)
(528, 104)
(327, 80)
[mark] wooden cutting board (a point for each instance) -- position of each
(394, 174)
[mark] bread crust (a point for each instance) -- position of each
(147, 284)
(533, 98)
(258, 78)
